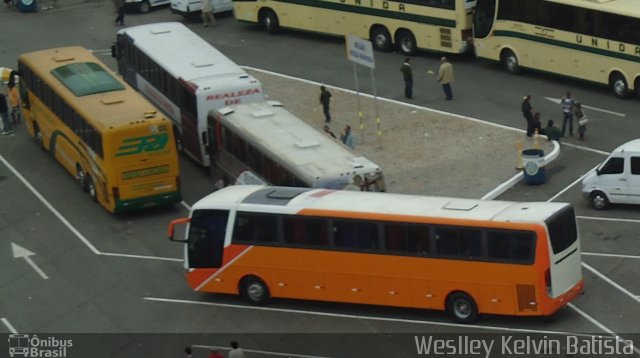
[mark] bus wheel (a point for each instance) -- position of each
(510, 61)
(91, 189)
(406, 42)
(144, 7)
(619, 85)
(462, 307)
(381, 39)
(81, 178)
(254, 290)
(599, 201)
(270, 21)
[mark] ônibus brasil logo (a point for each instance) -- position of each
(32, 346)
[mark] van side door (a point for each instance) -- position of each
(612, 179)
(633, 179)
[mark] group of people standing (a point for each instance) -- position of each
(445, 77)
(325, 100)
(570, 109)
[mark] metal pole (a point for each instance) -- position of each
(360, 115)
(375, 104)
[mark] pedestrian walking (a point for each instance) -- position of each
(4, 112)
(528, 115)
(14, 99)
(236, 352)
(347, 137)
(568, 104)
(325, 100)
(207, 13)
(445, 77)
(328, 131)
(120, 8)
(407, 75)
(582, 119)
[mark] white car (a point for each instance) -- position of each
(144, 6)
(191, 8)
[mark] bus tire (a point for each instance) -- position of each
(144, 7)
(81, 178)
(599, 200)
(254, 291)
(270, 21)
(510, 61)
(406, 42)
(462, 307)
(618, 85)
(381, 38)
(91, 189)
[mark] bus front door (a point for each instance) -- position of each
(205, 243)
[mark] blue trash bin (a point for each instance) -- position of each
(27, 5)
(534, 172)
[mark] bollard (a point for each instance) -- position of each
(536, 139)
(519, 163)
(360, 117)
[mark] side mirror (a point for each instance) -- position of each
(172, 228)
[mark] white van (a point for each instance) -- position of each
(192, 8)
(617, 179)
(144, 6)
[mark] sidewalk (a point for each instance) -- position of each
(423, 151)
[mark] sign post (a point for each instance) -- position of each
(360, 51)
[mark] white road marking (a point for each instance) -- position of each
(293, 355)
(611, 282)
(600, 325)
(21, 252)
(371, 318)
(557, 100)
(8, 325)
(66, 223)
(611, 255)
(634, 221)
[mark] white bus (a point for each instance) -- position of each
(598, 41)
(184, 76)
(263, 143)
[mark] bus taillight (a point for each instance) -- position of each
(116, 194)
(547, 280)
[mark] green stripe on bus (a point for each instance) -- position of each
(436, 21)
(569, 45)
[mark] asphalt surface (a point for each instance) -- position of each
(120, 275)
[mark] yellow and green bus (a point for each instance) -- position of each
(597, 41)
(436, 25)
(116, 144)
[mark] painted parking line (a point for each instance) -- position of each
(72, 228)
(361, 317)
(8, 325)
(255, 351)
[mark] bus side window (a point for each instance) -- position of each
(244, 228)
(355, 235)
(395, 237)
(522, 246)
(498, 245)
(419, 239)
(470, 243)
(317, 232)
(446, 241)
(293, 230)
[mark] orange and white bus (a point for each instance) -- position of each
(116, 144)
(467, 257)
